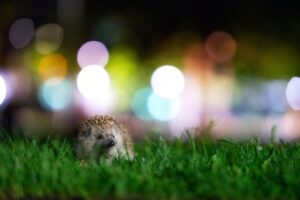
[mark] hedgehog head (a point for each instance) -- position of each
(103, 138)
(101, 133)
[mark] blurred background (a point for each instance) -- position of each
(159, 66)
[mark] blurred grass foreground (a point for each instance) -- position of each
(191, 169)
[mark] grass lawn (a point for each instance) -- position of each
(195, 169)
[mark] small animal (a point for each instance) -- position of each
(104, 136)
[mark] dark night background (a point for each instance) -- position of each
(153, 21)
(152, 33)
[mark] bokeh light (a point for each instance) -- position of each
(21, 32)
(20, 85)
(218, 94)
(220, 46)
(293, 94)
(123, 69)
(93, 81)
(100, 104)
(291, 126)
(2, 90)
(124, 100)
(139, 103)
(53, 65)
(191, 110)
(163, 109)
(167, 81)
(48, 38)
(250, 98)
(56, 94)
(275, 96)
(92, 53)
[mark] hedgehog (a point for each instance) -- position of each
(103, 136)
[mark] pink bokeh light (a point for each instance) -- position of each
(92, 53)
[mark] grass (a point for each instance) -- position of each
(195, 169)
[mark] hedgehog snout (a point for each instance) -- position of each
(111, 142)
(108, 143)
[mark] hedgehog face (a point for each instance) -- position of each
(104, 139)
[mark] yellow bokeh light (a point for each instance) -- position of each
(122, 67)
(54, 65)
(48, 38)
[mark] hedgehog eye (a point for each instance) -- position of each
(99, 137)
(87, 132)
